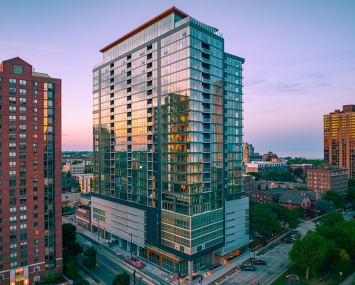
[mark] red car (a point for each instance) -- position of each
(258, 262)
(289, 240)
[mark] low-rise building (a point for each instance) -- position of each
(294, 200)
(262, 167)
(74, 168)
(248, 184)
(70, 198)
(303, 166)
(326, 178)
(269, 196)
(265, 185)
(270, 156)
(68, 185)
(83, 216)
(314, 197)
(85, 182)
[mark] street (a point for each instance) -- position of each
(276, 264)
(108, 269)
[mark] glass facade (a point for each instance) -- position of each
(49, 180)
(168, 131)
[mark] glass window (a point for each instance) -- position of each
(12, 81)
(22, 82)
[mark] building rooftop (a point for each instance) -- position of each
(145, 25)
(68, 183)
(346, 109)
(276, 190)
(295, 198)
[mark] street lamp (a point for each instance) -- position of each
(134, 276)
(97, 271)
(131, 244)
(98, 229)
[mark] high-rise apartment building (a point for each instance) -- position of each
(168, 144)
(30, 169)
(339, 138)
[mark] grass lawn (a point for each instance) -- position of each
(333, 278)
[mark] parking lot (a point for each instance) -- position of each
(276, 264)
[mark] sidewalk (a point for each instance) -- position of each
(89, 279)
(149, 269)
(234, 263)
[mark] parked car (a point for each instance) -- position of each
(256, 234)
(258, 262)
(351, 217)
(289, 240)
(248, 268)
(296, 236)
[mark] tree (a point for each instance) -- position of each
(300, 188)
(301, 212)
(79, 187)
(350, 196)
(353, 205)
(255, 174)
(91, 183)
(66, 209)
(68, 175)
(351, 182)
(88, 170)
(325, 206)
(335, 258)
(251, 203)
(121, 279)
(337, 199)
(284, 176)
(298, 171)
(332, 219)
(263, 220)
(71, 248)
(309, 253)
(90, 262)
(72, 268)
(76, 161)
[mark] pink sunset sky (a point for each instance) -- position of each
(300, 59)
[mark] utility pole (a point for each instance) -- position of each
(131, 244)
(134, 276)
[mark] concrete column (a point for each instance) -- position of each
(138, 250)
(222, 260)
(191, 268)
(120, 242)
(128, 246)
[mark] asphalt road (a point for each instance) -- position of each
(276, 264)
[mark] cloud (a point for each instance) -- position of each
(33, 47)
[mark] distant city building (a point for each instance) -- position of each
(248, 151)
(326, 178)
(304, 167)
(270, 157)
(30, 169)
(68, 185)
(262, 167)
(249, 184)
(83, 216)
(85, 182)
(265, 185)
(74, 168)
(339, 139)
(269, 196)
(294, 200)
(167, 127)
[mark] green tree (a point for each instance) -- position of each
(301, 212)
(336, 257)
(337, 199)
(298, 171)
(332, 219)
(71, 248)
(251, 203)
(284, 176)
(72, 268)
(121, 279)
(91, 183)
(90, 262)
(68, 175)
(88, 170)
(66, 209)
(255, 174)
(353, 205)
(325, 206)
(351, 182)
(309, 253)
(79, 187)
(76, 161)
(350, 196)
(263, 221)
(300, 188)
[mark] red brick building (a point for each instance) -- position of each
(326, 178)
(295, 200)
(30, 181)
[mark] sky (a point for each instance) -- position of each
(299, 58)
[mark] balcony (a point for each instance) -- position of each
(206, 89)
(207, 70)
